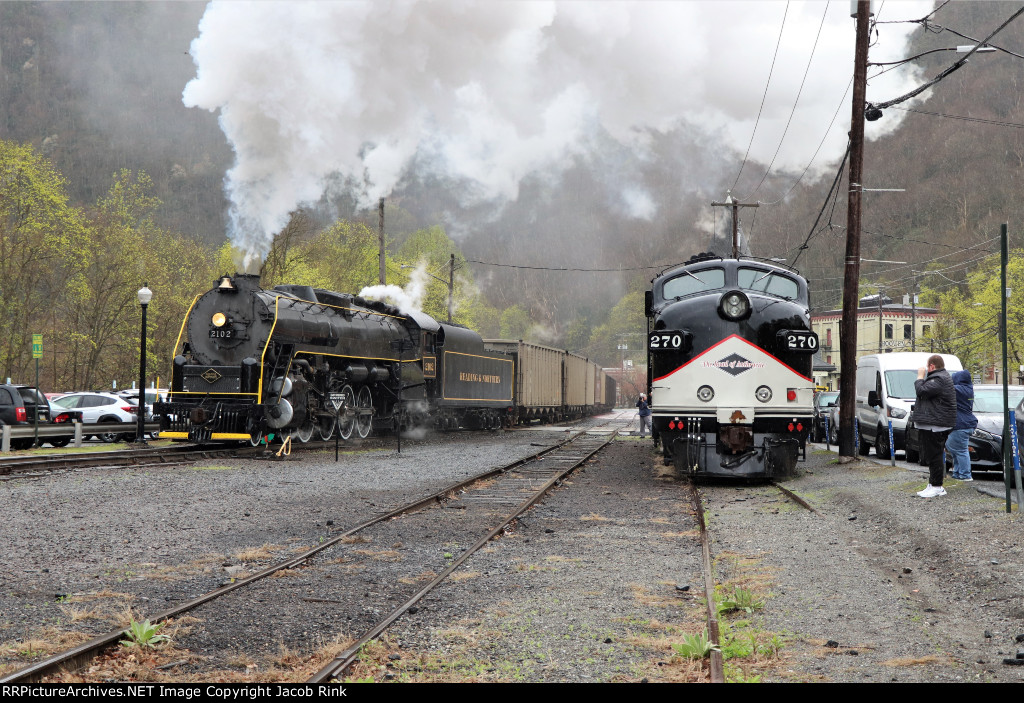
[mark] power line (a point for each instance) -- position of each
(796, 102)
(568, 268)
(950, 69)
(765, 96)
(998, 123)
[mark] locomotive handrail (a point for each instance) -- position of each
(263, 356)
(174, 352)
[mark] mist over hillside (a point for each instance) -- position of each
(98, 86)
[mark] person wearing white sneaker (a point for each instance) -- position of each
(935, 416)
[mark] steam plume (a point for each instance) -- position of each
(490, 92)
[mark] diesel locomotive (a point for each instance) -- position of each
(729, 367)
(298, 361)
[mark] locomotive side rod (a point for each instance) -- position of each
(77, 657)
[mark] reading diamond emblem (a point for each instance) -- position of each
(211, 376)
(735, 364)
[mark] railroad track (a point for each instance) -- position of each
(509, 489)
(717, 664)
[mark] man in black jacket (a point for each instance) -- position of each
(934, 416)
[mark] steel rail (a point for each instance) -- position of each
(345, 659)
(717, 665)
(77, 657)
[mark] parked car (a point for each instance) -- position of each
(833, 423)
(19, 406)
(153, 395)
(822, 401)
(102, 407)
(985, 444)
(60, 416)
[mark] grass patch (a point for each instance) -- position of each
(926, 660)
(265, 551)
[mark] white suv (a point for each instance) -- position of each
(103, 407)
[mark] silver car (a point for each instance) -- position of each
(102, 407)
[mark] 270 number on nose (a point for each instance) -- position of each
(666, 340)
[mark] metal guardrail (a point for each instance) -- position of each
(81, 431)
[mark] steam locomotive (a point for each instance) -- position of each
(298, 361)
(729, 367)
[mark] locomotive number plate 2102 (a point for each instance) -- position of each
(801, 340)
(221, 334)
(667, 340)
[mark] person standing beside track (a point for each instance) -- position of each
(935, 416)
(966, 423)
(645, 414)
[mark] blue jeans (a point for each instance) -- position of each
(956, 445)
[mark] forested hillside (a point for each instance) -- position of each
(90, 98)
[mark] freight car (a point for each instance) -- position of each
(729, 364)
(553, 384)
(301, 361)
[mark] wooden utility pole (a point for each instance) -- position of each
(851, 276)
(735, 205)
(380, 237)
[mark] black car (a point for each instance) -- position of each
(18, 406)
(985, 445)
(823, 400)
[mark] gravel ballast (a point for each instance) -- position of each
(597, 583)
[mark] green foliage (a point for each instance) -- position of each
(144, 634)
(515, 323)
(626, 324)
(697, 646)
(739, 600)
(969, 322)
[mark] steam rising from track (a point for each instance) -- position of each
(485, 93)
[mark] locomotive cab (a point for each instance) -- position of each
(729, 358)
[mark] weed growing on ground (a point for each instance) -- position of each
(144, 634)
(697, 646)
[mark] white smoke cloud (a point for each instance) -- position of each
(408, 299)
(490, 92)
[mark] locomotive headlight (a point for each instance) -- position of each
(763, 393)
(705, 393)
(219, 319)
(734, 306)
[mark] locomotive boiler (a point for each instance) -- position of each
(301, 361)
(729, 367)
(298, 361)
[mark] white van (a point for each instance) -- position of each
(885, 392)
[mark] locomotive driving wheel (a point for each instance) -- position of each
(305, 433)
(325, 424)
(364, 408)
(347, 420)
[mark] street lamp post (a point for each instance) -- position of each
(145, 295)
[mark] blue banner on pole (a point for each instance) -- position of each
(1013, 441)
(856, 433)
(892, 446)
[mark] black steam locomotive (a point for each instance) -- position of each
(729, 366)
(298, 361)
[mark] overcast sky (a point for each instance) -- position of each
(491, 92)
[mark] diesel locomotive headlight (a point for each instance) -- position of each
(219, 319)
(763, 393)
(734, 306)
(705, 393)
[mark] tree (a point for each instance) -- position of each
(41, 239)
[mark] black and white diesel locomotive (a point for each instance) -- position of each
(729, 366)
(298, 361)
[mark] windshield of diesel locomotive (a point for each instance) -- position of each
(768, 282)
(693, 282)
